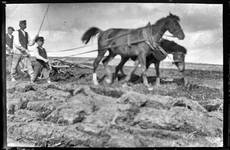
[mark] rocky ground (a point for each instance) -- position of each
(71, 112)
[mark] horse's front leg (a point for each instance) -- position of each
(96, 62)
(184, 78)
(120, 66)
(144, 69)
(157, 68)
(107, 69)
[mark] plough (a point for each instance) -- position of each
(62, 66)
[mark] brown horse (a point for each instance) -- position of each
(117, 42)
(170, 47)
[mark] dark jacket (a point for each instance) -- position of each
(9, 41)
(23, 39)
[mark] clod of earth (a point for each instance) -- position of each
(74, 113)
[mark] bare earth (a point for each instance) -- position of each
(71, 112)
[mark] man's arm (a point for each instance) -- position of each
(31, 42)
(36, 54)
(8, 49)
(17, 43)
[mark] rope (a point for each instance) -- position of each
(70, 49)
(43, 19)
(138, 41)
(95, 50)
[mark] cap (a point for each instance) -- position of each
(11, 28)
(22, 21)
(40, 38)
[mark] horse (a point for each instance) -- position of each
(170, 47)
(117, 42)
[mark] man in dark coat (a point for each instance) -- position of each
(9, 47)
(42, 65)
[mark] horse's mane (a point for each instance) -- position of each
(171, 46)
(169, 16)
(159, 21)
(175, 17)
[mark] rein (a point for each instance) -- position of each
(173, 33)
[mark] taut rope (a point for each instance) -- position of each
(43, 19)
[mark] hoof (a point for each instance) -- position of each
(113, 122)
(185, 82)
(108, 81)
(150, 88)
(124, 85)
(95, 83)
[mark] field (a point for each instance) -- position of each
(71, 112)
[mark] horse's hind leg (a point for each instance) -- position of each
(157, 64)
(96, 62)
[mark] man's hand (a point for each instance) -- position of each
(26, 55)
(26, 52)
(23, 50)
(46, 60)
(36, 36)
(50, 66)
(9, 50)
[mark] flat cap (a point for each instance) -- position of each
(39, 38)
(22, 21)
(11, 28)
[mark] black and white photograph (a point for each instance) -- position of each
(114, 75)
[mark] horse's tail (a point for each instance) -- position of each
(91, 32)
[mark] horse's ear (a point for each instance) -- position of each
(170, 14)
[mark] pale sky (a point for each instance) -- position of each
(65, 24)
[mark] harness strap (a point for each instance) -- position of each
(162, 50)
(128, 39)
(150, 41)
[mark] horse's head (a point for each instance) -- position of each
(173, 26)
(179, 60)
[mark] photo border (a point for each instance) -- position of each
(226, 56)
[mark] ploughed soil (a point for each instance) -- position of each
(72, 112)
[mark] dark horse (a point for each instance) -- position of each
(112, 40)
(170, 47)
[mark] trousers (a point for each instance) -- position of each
(19, 58)
(8, 62)
(41, 67)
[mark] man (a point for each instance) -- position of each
(9, 47)
(42, 65)
(21, 52)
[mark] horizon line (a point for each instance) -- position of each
(118, 58)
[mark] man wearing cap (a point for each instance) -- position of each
(21, 53)
(41, 65)
(9, 46)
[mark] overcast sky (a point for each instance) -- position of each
(65, 23)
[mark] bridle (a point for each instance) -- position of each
(174, 33)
